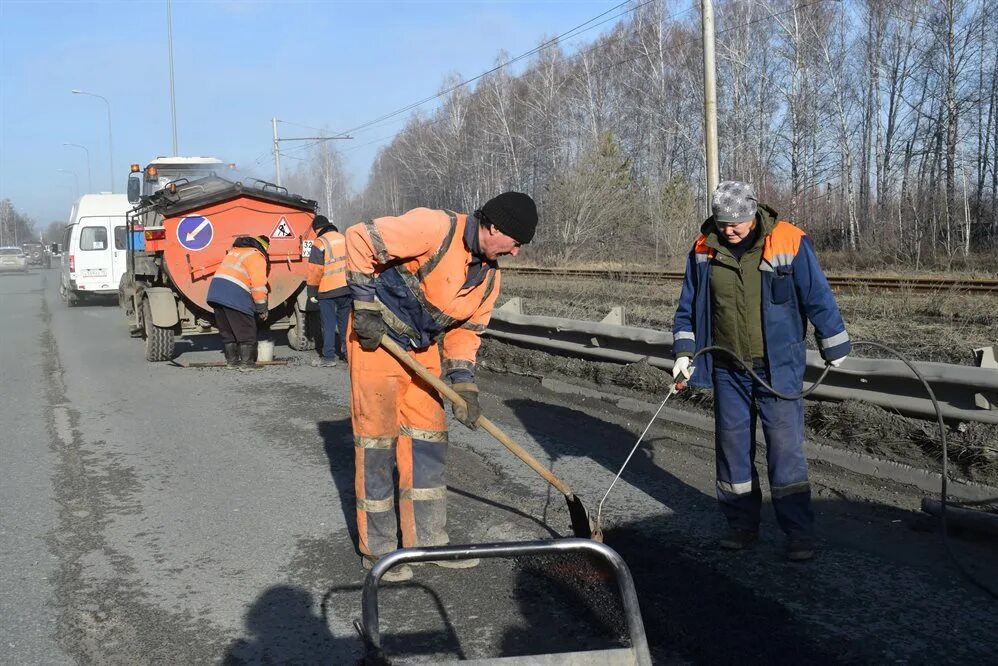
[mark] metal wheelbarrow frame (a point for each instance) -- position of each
(637, 654)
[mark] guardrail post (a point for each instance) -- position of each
(986, 359)
(512, 305)
(616, 317)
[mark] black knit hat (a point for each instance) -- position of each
(320, 222)
(514, 214)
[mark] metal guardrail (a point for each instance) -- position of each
(842, 282)
(965, 393)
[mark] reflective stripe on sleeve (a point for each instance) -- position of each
(380, 249)
(834, 340)
(685, 335)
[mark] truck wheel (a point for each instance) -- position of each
(159, 341)
(301, 335)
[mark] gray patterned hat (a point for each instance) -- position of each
(733, 202)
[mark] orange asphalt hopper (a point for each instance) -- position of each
(246, 268)
(332, 273)
(417, 266)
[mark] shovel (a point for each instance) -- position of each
(581, 525)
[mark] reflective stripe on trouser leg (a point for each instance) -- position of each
(738, 492)
(783, 426)
(423, 453)
(375, 380)
(375, 490)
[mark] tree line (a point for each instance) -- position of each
(871, 123)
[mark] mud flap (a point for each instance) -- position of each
(163, 305)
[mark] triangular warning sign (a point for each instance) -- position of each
(282, 230)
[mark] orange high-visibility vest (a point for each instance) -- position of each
(332, 274)
(427, 248)
(247, 268)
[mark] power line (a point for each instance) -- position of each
(526, 54)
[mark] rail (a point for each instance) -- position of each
(841, 282)
(966, 393)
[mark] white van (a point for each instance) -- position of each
(94, 247)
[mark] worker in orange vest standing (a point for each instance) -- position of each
(238, 294)
(327, 288)
(422, 276)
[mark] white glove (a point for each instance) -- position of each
(681, 370)
(837, 362)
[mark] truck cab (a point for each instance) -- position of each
(162, 171)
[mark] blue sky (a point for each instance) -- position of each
(329, 65)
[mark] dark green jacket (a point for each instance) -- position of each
(736, 290)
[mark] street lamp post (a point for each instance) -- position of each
(110, 149)
(76, 180)
(90, 179)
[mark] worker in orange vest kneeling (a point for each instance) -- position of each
(238, 294)
(422, 276)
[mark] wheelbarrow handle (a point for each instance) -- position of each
(487, 425)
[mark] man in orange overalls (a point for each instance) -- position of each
(327, 289)
(422, 276)
(238, 294)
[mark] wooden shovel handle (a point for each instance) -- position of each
(486, 424)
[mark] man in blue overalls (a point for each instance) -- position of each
(752, 283)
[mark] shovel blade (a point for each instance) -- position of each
(581, 525)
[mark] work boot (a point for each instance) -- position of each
(247, 353)
(397, 574)
(738, 539)
(800, 549)
(456, 564)
(323, 362)
(231, 351)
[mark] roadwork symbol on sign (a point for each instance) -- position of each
(282, 230)
(195, 232)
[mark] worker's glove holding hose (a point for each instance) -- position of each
(368, 324)
(682, 370)
(468, 413)
(837, 362)
(261, 311)
(312, 302)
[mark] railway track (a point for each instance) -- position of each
(841, 282)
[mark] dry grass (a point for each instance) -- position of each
(943, 325)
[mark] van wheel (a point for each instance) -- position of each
(159, 341)
(68, 296)
(301, 335)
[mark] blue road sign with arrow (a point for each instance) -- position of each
(194, 232)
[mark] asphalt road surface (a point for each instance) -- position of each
(153, 514)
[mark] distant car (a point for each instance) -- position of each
(13, 259)
(37, 255)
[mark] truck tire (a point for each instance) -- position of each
(301, 336)
(159, 341)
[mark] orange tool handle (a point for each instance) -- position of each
(486, 424)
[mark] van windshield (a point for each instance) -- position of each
(10, 251)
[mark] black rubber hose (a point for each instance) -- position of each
(944, 490)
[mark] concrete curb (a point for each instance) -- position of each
(860, 463)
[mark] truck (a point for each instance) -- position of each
(187, 212)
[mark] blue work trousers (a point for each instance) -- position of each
(738, 402)
(333, 313)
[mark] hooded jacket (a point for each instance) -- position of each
(794, 291)
(240, 282)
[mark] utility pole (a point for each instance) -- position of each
(173, 96)
(709, 99)
(277, 154)
(277, 147)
